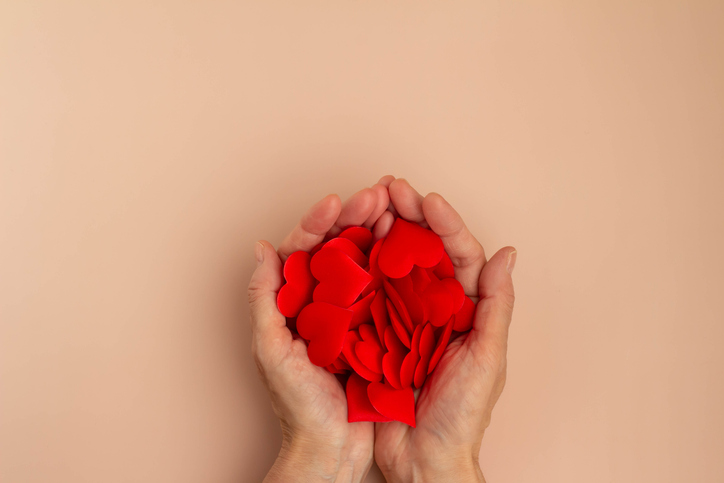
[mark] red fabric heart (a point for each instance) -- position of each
(379, 315)
(439, 302)
(409, 244)
(441, 345)
(456, 292)
(392, 360)
(297, 292)
(362, 311)
(341, 280)
(410, 299)
(427, 345)
(399, 304)
(369, 350)
(325, 327)
(396, 404)
(349, 353)
(360, 235)
(359, 407)
(397, 324)
(347, 246)
(445, 268)
(465, 316)
(407, 370)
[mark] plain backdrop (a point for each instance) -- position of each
(145, 147)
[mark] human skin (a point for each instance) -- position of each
(455, 404)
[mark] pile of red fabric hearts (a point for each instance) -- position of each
(381, 314)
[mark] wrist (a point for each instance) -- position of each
(303, 459)
(458, 468)
(462, 471)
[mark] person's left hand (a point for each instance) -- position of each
(318, 442)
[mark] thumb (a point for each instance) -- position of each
(263, 287)
(495, 308)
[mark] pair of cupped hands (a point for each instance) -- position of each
(453, 407)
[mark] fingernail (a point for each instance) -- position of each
(511, 261)
(259, 251)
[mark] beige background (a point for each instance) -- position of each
(144, 148)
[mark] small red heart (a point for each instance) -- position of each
(340, 365)
(360, 235)
(457, 292)
(445, 268)
(362, 312)
(406, 245)
(396, 404)
(439, 302)
(407, 371)
(420, 279)
(297, 292)
(359, 407)
(369, 350)
(411, 300)
(465, 316)
(399, 304)
(392, 360)
(316, 248)
(374, 269)
(397, 324)
(427, 345)
(325, 327)
(341, 280)
(441, 345)
(348, 350)
(347, 246)
(379, 313)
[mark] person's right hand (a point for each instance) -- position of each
(455, 403)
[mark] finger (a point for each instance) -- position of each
(355, 210)
(386, 180)
(494, 313)
(267, 323)
(383, 226)
(466, 252)
(383, 201)
(315, 223)
(406, 201)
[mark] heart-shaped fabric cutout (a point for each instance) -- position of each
(399, 304)
(464, 317)
(396, 404)
(359, 407)
(297, 292)
(441, 345)
(341, 280)
(410, 299)
(406, 245)
(325, 327)
(456, 292)
(407, 370)
(349, 353)
(397, 324)
(392, 360)
(445, 268)
(378, 309)
(347, 246)
(427, 345)
(362, 311)
(369, 350)
(439, 302)
(360, 235)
